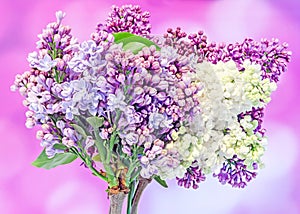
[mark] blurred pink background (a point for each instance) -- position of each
(72, 189)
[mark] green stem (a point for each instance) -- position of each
(118, 115)
(109, 147)
(88, 164)
(130, 197)
(129, 175)
(103, 153)
(100, 146)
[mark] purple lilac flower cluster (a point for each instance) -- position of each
(128, 18)
(141, 113)
(48, 69)
(192, 177)
(235, 173)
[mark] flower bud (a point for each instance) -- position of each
(39, 135)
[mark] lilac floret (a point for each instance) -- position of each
(59, 16)
(43, 63)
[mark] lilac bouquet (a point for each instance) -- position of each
(135, 107)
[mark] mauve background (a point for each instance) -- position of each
(72, 189)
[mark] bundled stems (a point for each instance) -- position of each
(134, 195)
(116, 202)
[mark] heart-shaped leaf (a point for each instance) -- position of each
(135, 47)
(133, 42)
(121, 35)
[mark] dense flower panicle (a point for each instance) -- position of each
(56, 36)
(127, 18)
(48, 68)
(154, 109)
(226, 93)
(235, 173)
(192, 177)
(54, 49)
(177, 109)
(269, 54)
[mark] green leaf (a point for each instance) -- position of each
(160, 181)
(135, 47)
(112, 140)
(96, 158)
(60, 146)
(133, 42)
(43, 161)
(121, 35)
(95, 122)
(80, 130)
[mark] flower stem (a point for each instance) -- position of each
(116, 202)
(88, 164)
(130, 197)
(143, 182)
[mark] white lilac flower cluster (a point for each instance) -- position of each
(227, 93)
(131, 105)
